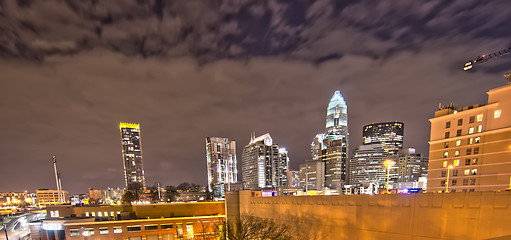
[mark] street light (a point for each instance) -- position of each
(388, 164)
(447, 183)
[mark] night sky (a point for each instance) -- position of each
(72, 70)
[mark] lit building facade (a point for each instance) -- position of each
(293, 178)
(334, 157)
(132, 156)
(367, 166)
(221, 164)
(388, 134)
(263, 164)
(312, 175)
(470, 147)
(411, 165)
(50, 197)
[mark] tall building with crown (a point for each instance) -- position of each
(222, 166)
(331, 147)
(263, 164)
(388, 134)
(132, 156)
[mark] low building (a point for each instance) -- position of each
(51, 197)
(144, 221)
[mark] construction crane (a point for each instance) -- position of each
(486, 57)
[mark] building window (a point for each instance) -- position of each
(442, 183)
(86, 214)
(151, 227)
(454, 182)
(471, 130)
(470, 141)
(474, 171)
(469, 151)
(456, 162)
(74, 232)
(467, 172)
(472, 119)
(458, 143)
(447, 134)
(479, 128)
(444, 173)
(167, 226)
(88, 232)
(100, 214)
(456, 153)
(497, 113)
(465, 182)
(134, 228)
(460, 122)
(474, 161)
(455, 172)
(476, 150)
(458, 132)
(480, 117)
(448, 124)
(103, 230)
(446, 154)
(112, 214)
(189, 230)
(477, 139)
(467, 161)
(117, 229)
(444, 164)
(54, 214)
(446, 144)
(473, 181)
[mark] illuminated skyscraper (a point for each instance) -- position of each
(221, 159)
(388, 134)
(264, 164)
(132, 156)
(337, 117)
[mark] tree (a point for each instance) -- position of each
(171, 193)
(153, 194)
(128, 197)
(252, 227)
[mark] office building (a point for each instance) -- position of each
(470, 147)
(132, 156)
(334, 157)
(317, 146)
(221, 164)
(367, 166)
(411, 166)
(337, 116)
(293, 178)
(263, 164)
(312, 175)
(50, 197)
(388, 134)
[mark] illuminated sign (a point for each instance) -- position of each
(269, 193)
(52, 226)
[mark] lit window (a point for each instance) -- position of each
(474, 171)
(189, 230)
(112, 214)
(446, 154)
(105, 214)
(497, 113)
(480, 117)
(117, 229)
(118, 213)
(471, 141)
(54, 214)
(74, 232)
(474, 161)
(86, 214)
(456, 153)
(467, 172)
(477, 139)
(103, 231)
(446, 144)
(471, 130)
(458, 142)
(88, 232)
(456, 162)
(99, 214)
(479, 128)
(445, 164)
(93, 214)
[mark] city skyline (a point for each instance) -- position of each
(71, 73)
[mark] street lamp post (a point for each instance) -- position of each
(388, 164)
(447, 182)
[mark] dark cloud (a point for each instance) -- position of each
(190, 69)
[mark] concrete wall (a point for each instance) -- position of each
(474, 215)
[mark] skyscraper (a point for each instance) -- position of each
(222, 165)
(263, 164)
(388, 134)
(132, 156)
(336, 117)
